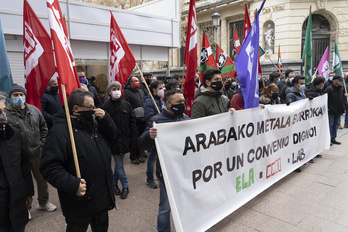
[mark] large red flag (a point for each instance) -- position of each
(235, 43)
(39, 66)
(247, 24)
(122, 61)
(191, 56)
(62, 50)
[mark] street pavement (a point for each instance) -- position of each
(315, 199)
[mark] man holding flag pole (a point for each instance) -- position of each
(68, 157)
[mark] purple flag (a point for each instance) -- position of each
(324, 65)
(247, 65)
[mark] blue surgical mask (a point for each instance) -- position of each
(291, 80)
(18, 101)
(302, 87)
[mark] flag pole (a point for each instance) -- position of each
(183, 76)
(344, 82)
(271, 60)
(76, 161)
(143, 80)
(305, 61)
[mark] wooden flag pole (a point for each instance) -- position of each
(150, 93)
(183, 77)
(73, 146)
(344, 82)
(271, 61)
(231, 69)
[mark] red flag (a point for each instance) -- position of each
(224, 63)
(247, 24)
(279, 60)
(39, 64)
(207, 57)
(122, 61)
(62, 50)
(235, 43)
(190, 56)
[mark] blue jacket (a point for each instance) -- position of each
(150, 109)
(145, 142)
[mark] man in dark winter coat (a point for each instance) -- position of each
(83, 200)
(289, 76)
(16, 183)
(315, 88)
(157, 91)
(175, 108)
(148, 80)
(32, 126)
(136, 98)
(122, 114)
(337, 101)
(50, 102)
(94, 90)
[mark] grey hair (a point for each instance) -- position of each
(113, 84)
(53, 79)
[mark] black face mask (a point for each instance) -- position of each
(54, 89)
(217, 85)
(148, 81)
(178, 109)
(87, 115)
(228, 85)
(275, 96)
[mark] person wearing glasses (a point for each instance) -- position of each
(88, 199)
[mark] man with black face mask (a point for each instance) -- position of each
(83, 200)
(174, 111)
(50, 102)
(208, 99)
(16, 183)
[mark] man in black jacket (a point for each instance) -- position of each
(337, 101)
(83, 200)
(136, 97)
(50, 102)
(315, 88)
(175, 108)
(122, 114)
(32, 126)
(16, 182)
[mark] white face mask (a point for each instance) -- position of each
(160, 93)
(116, 94)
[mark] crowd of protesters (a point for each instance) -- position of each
(38, 142)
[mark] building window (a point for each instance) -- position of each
(239, 26)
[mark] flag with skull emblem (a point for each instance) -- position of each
(224, 63)
(207, 57)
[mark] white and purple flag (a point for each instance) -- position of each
(247, 65)
(324, 65)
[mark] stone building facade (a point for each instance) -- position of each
(282, 22)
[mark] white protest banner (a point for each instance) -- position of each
(214, 165)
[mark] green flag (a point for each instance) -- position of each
(307, 50)
(336, 61)
(261, 51)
